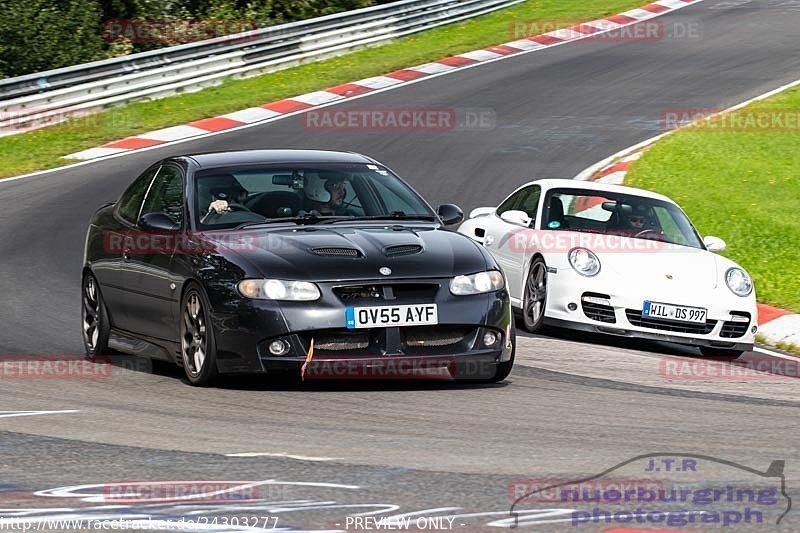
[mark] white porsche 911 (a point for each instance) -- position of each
(617, 260)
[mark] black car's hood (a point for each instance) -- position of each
(312, 252)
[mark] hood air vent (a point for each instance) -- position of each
(402, 249)
(337, 252)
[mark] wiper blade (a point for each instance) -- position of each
(397, 215)
(301, 219)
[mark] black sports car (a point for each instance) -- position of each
(299, 261)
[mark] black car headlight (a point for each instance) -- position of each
(279, 289)
(491, 280)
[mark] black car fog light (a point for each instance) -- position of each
(490, 339)
(572, 306)
(279, 347)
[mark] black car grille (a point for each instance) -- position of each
(414, 340)
(338, 342)
(400, 292)
(358, 292)
(599, 312)
(733, 329)
(402, 249)
(635, 318)
(337, 252)
(434, 335)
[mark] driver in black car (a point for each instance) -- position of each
(224, 201)
(325, 194)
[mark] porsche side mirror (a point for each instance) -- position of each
(450, 214)
(518, 218)
(158, 222)
(481, 212)
(714, 244)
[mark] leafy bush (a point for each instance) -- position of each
(38, 35)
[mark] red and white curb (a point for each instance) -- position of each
(298, 104)
(774, 325)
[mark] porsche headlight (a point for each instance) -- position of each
(491, 280)
(738, 282)
(584, 261)
(278, 289)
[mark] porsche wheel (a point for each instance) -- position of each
(198, 349)
(94, 318)
(535, 297)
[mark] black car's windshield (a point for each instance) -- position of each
(625, 215)
(311, 193)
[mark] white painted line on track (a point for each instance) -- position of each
(11, 414)
(776, 354)
(281, 455)
(588, 172)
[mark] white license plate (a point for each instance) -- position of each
(391, 315)
(678, 313)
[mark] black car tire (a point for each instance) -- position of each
(504, 369)
(708, 351)
(96, 327)
(197, 337)
(535, 291)
(467, 374)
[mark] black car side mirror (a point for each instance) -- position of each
(450, 214)
(158, 222)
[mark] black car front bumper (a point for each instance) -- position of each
(245, 328)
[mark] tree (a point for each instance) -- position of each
(37, 35)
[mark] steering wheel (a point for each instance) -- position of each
(232, 208)
(237, 207)
(642, 233)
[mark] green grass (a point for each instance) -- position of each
(44, 148)
(742, 186)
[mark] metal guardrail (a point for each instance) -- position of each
(45, 98)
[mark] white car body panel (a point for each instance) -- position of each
(635, 271)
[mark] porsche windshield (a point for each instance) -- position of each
(230, 197)
(625, 215)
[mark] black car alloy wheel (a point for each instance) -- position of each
(198, 350)
(94, 319)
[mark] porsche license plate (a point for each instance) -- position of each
(678, 313)
(391, 315)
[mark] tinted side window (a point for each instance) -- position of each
(530, 201)
(166, 194)
(131, 199)
(510, 202)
